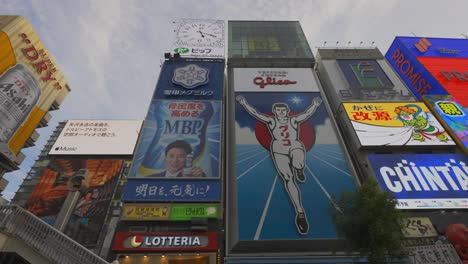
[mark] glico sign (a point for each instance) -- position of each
(431, 66)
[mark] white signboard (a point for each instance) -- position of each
(199, 38)
(433, 254)
(97, 137)
(274, 80)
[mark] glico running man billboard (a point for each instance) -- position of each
(432, 65)
(423, 181)
(30, 83)
(181, 134)
(288, 159)
(396, 124)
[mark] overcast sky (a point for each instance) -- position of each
(111, 51)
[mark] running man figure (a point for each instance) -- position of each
(287, 151)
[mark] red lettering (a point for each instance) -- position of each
(30, 53)
(395, 54)
(48, 77)
(40, 66)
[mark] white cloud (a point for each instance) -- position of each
(245, 136)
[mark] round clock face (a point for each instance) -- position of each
(200, 34)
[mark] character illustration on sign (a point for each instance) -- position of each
(287, 151)
(422, 128)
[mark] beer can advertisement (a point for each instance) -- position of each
(172, 212)
(453, 115)
(30, 83)
(190, 80)
(97, 177)
(396, 124)
(423, 181)
(289, 163)
(199, 38)
(97, 137)
(180, 139)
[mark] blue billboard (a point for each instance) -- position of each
(423, 181)
(412, 71)
(172, 190)
(193, 80)
(435, 47)
(364, 74)
(289, 165)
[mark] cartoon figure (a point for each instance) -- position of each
(287, 152)
(422, 129)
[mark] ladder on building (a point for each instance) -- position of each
(46, 240)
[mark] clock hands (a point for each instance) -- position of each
(201, 33)
(204, 33)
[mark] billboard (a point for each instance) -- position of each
(433, 254)
(452, 115)
(199, 38)
(165, 242)
(423, 181)
(396, 124)
(272, 79)
(30, 83)
(168, 212)
(417, 227)
(166, 190)
(288, 163)
(190, 80)
(49, 194)
(97, 137)
(180, 139)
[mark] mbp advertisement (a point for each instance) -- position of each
(289, 162)
(423, 181)
(97, 137)
(396, 124)
(30, 82)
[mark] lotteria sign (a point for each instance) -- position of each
(423, 181)
(137, 241)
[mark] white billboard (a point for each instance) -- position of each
(199, 38)
(274, 80)
(97, 137)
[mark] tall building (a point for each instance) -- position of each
(31, 85)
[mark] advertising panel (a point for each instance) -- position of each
(417, 227)
(436, 47)
(172, 212)
(199, 38)
(411, 71)
(161, 190)
(453, 116)
(289, 163)
(30, 82)
(165, 242)
(180, 139)
(423, 181)
(396, 124)
(48, 195)
(450, 73)
(433, 254)
(97, 137)
(273, 79)
(190, 80)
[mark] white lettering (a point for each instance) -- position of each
(392, 186)
(445, 171)
(177, 241)
(163, 240)
(169, 243)
(156, 241)
(406, 178)
(433, 178)
(196, 241)
(184, 241)
(147, 241)
(419, 176)
(461, 177)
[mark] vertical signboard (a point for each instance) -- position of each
(423, 181)
(396, 124)
(180, 140)
(199, 38)
(289, 161)
(452, 115)
(30, 82)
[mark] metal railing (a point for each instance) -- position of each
(46, 240)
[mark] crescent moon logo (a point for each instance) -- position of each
(136, 241)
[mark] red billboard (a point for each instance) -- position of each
(451, 73)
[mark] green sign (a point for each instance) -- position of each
(187, 212)
(181, 50)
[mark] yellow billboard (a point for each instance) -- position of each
(30, 83)
(416, 227)
(396, 124)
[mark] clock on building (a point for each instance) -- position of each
(200, 33)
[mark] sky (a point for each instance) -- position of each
(111, 51)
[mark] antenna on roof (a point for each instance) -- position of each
(465, 35)
(324, 43)
(372, 44)
(349, 42)
(360, 43)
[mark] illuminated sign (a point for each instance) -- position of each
(136, 241)
(453, 116)
(396, 124)
(364, 74)
(172, 190)
(263, 44)
(193, 80)
(172, 212)
(423, 181)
